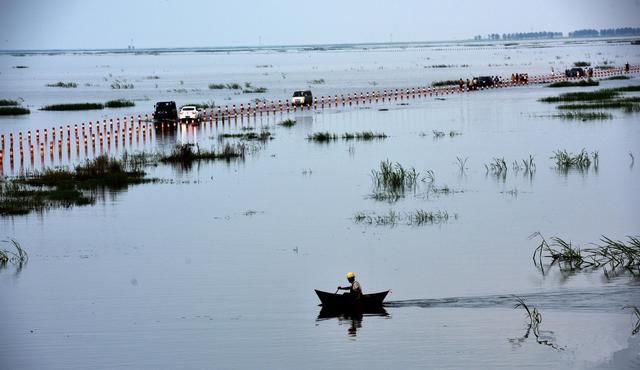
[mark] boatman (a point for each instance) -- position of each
(354, 289)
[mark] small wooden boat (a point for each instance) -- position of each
(346, 302)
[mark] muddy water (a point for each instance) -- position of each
(216, 266)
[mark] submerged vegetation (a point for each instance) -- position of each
(73, 106)
(7, 102)
(13, 111)
(581, 83)
(323, 137)
(445, 83)
(119, 103)
(614, 78)
(418, 217)
(16, 255)
(585, 116)
(185, 154)
(581, 161)
(262, 136)
(62, 187)
(66, 85)
(535, 319)
(612, 256)
(287, 123)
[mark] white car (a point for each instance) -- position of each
(188, 113)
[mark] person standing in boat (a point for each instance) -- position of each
(354, 289)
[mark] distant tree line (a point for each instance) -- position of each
(625, 31)
(609, 32)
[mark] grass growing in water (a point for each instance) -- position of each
(581, 64)
(287, 123)
(73, 106)
(612, 256)
(13, 111)
(394, 177)
(262, 136)
(604, 94)
(17, 255)
(581, 83)
(7, 102)
(535, 319)
(66, 85)
(322, 137)
(186, 155)
(614, 78)
(581, 161)
(585, 116)
(60, 187)
(120, 103)
(418, 217)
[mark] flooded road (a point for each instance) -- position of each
(215, 266)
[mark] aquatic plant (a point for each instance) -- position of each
(394, 177)
(581, 64)
(262, 136)
(497, 167)
(66, 85)
(462, 163)
(535, 319)
(320, 81)
(120, 103)
(185, 154)
(418, 217)
(364, 136)
(117, 85)
(565, 160)
(612, 256)
(287, 123)
(581, 83)
(17, 255)
(620, 77)
(13, 111)
(72, 106)
(628, 105)
(585, 116)
(60, 187)
(438, 134)
(7, 102)
(603, 94)
(322, 137)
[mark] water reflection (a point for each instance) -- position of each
(353, 319)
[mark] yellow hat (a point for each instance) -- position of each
(350, 275)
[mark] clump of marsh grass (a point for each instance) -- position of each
(612, 256)
(535, 320)
(462, 163)
(628, 105)
(8, 102)
(394, 177)
(119, 103)
(604, 94)
(418, 217)
(614, 78)
(117, 85)
(66, 85)
(438, 134)
(364, 136)
(584, 116)
(73, 106)
(581, 83)
(287, 123)
(16, 255)
(61, 187)
(262, 136)
(185, 154)
(566, 161)
(497, 167)
(581, 64)
(322, 137)
(13, 111)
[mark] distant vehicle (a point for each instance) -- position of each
(483, 81)
(188, 113)
(302, 98)
(165, 110)
(574, 72)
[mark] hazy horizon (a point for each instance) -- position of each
(72, 24)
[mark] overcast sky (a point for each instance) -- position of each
(68, 24)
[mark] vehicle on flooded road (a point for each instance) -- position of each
(302, 97)
(165, 111)
(188, 113)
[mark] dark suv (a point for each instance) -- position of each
(165, 111)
